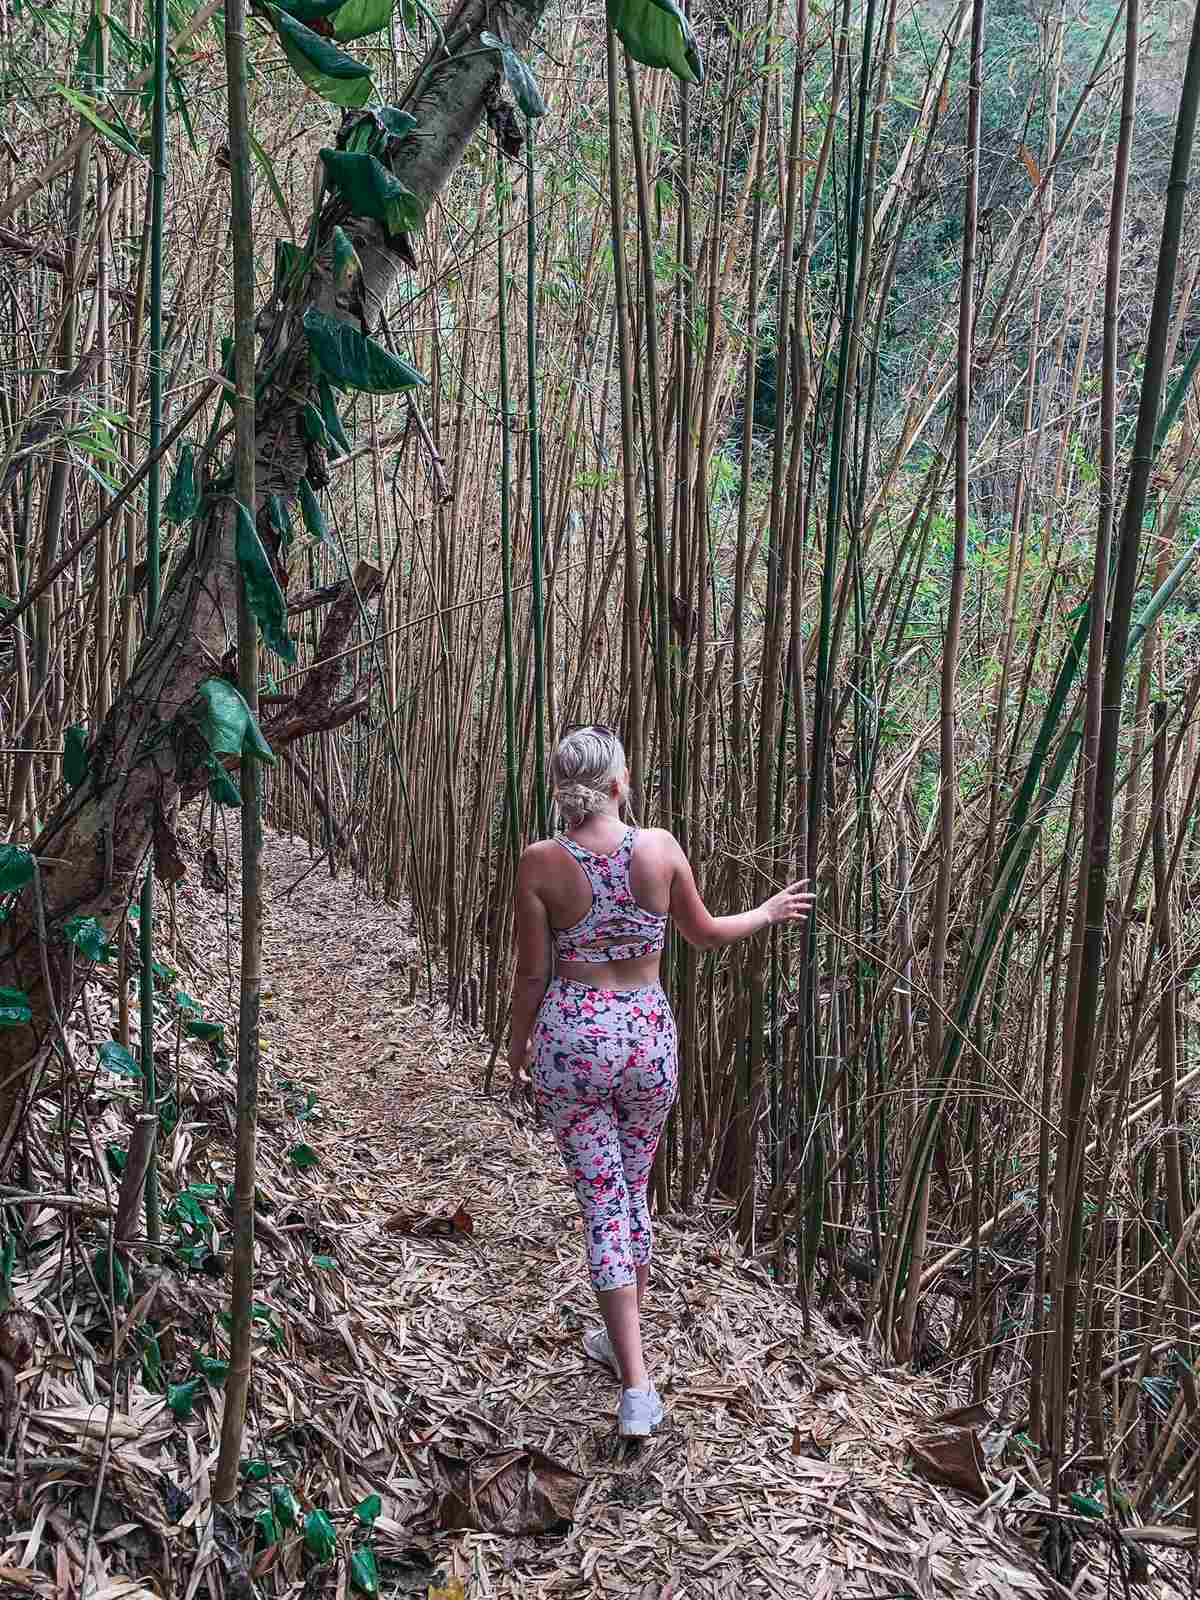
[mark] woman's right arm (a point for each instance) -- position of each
(700, 928)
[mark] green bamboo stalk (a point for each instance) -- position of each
(242, 1287)
(506, 420)
(158, 186)
(535, 493)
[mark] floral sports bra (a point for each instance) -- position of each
(616, 928)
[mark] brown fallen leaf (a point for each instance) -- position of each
(973, 1416)
(955, 1459)
(518, 1491)
(807, 1444)
(421, 1224)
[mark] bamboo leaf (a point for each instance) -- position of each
(314, 517)
(267, 167)
(370, 190)
(351, 361)
(123, 140)
(285, 1505)
(331, 420)
(75, 755)
(183, 500)
(522, 84)
(347, 268)
(326, 70)
(263, 594)
(226, 723)
(656, 33)
(319, 1537)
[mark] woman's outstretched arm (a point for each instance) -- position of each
(533, 967)
(700, 928)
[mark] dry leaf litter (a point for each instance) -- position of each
(422, 1418)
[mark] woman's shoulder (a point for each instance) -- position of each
(658, 841)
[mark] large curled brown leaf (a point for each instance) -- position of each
(518, 1491)
(953, 1458)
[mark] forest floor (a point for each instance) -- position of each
(395, 1363)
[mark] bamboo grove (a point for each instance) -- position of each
(827, 425)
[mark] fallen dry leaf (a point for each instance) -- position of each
(423, 1225)
(955, 1459)
(515, 1492)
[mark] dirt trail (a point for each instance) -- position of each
(384, 1358)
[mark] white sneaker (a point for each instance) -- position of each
(598, 1346)
(641, 1412)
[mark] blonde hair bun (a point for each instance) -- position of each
(583, 768)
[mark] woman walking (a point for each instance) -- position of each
(592, 1024)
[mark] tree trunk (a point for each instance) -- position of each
(94, 846)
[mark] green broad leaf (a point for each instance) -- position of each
(395, 123)
(326, 1263)
(267, 167)
(183, 501)
(357, 18)
(16, 867)
(303, 1156)
(86, 934)
(254, 1470)
(124, 140)
(168, 1114)
(115, 1158)
(188, 1213)
(285, 1505)
(364, 1572)
(1085, 1505)
(326, 70)
(266, 1530)
(331, 419)
(309, 11)
(347, 268)
(15, 1010)
(314, 426)
(221, 786)
(119, 1287)
(227, 724)
(290, 261)
(367, 1510)
(263, 593)
(319, 1538)
(75, 755)
(210, 1032)
(188, 1006)
(349, 360)
(204, 1191)
(280, 518)
(152, 1375)
(193, 1255)
(214, 1370)
(656, 33)
(370, 190)
(314, 517)
(522, 84)
(115, 1058)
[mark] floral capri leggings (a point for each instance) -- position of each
(605, 1074)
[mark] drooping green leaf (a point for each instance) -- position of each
(395, 123)
(123, 139)
(285, 1505)
(347, 268)
(331, 419)
(210, 1032)
(656, 33)
(119, 1287)
(15, 1010)
(267, 167)
(266, 1530)
(221, 786)
(254, 1470)
(367, 1510)
(522, 84)
(188, 1006)
(357, 18)
(188, 1213)
(116, 1158)
(303, 1156)
(308, 11)
(152, 1374)
(280, 518)
(328, 71)
(263, 593)
(214, 1369)
(314, 517)
(16, 867)
(364, 1572)
(290, 260)
(168, 1114)
(319, 1537)
(1085, 1505)
(193, 1255)
(226, 722)
(75, 755)
(183, 502)
(370, 190)
(86, 934)
(351, 361)
(115, 1058)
